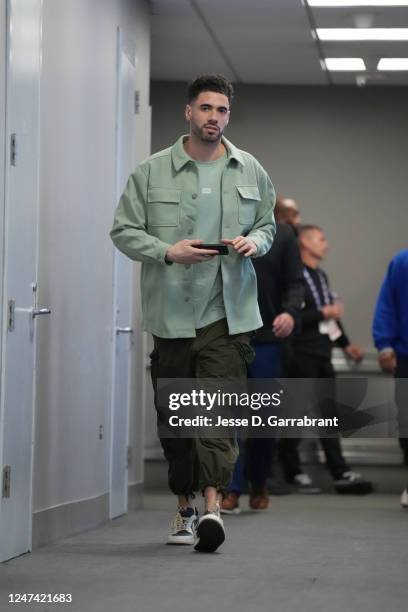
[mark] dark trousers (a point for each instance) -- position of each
(256, 455)
(196, 463)
(310, 366)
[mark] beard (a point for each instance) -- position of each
(205, 136)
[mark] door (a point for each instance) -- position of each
(23, 54)
(3, 30)
(127, 103)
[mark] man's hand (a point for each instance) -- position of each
(243, 245)
(283, 325)
(333, 311)
(355, 352)
(387, 361)
(183, 252)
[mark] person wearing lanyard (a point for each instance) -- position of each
(310, 357)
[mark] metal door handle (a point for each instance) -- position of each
(124, 330)
(40, 311)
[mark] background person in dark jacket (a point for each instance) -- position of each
(390, 331)
(280, 297)
(287, 211)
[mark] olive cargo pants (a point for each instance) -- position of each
(196, 463)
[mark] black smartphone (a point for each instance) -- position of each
(221, 248)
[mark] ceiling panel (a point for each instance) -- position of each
(370, 51)
(380, 17)
(264, 41)
(180, 54)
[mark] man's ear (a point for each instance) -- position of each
(187, 112)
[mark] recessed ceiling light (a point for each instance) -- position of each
(344, 63)
(329, 3)
(393, 63)
(362, 33)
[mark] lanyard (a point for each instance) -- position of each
(313, 288)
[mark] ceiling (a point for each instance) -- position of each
(266, 41)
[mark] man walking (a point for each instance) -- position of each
(200, 307)
(310, 357)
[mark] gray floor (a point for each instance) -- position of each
(307, 553)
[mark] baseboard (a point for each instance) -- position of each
(135, 496)
(70, 519)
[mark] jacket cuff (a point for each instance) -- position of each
(162, 249)
(294, 312)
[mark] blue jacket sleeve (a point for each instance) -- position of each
(385, 331)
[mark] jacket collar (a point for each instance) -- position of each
(180, 158)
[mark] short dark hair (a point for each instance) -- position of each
(210, 82)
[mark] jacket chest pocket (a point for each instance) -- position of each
(163, 207)
(248, 198)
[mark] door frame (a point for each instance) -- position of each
(125, 45)
(3, 97)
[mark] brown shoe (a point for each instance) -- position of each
(230, 504)
(259, 499)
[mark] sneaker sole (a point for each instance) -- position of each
(210, 534)
(181, 540)
(354, 488)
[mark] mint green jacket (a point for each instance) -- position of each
(157, 210)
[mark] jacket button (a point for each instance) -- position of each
(190, 231)
(194, 196)
(188, 266)
(186, 299)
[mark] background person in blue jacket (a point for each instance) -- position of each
(390, 331)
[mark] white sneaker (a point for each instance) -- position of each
(353, 483)
(303, 480)
(210, 531)
(404, 498)
(305, 484)
(183, 527)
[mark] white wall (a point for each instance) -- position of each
(78, 111)
(342, 153)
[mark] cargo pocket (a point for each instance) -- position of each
(245, 351)
(163, 207)
(154, 362)
(154, 355)
(248, 197)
